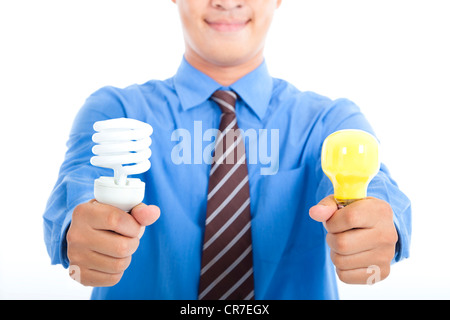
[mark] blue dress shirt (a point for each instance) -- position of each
(290, 254)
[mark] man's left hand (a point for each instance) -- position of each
(361, 237)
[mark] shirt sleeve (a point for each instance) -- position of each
(344, 114)
(75, 183)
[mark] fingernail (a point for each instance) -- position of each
(141, 233)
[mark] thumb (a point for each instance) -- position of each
(324, 209)
(145, 215)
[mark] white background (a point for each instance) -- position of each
(390, 57)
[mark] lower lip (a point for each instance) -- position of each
(227, 27)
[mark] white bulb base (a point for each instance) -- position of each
(124, 197)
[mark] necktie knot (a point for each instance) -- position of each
(226, 99)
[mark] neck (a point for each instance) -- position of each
(224, 74)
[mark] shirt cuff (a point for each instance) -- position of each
(63, 242)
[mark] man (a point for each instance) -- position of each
(288, 253)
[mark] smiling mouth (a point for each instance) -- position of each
(227, 26)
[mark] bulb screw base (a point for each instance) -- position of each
(124, 197)
(341, 203)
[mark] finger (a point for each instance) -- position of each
(352, 241)
(106, 217)
(358, 260)
(94, 278)
(114, 245)
(107, 264)
(368, 275)
(145, 215)
(324, 210)
(359, 214)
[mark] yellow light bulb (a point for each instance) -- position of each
(350, 159)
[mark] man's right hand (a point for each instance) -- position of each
(102, 238)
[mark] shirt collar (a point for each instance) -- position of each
(194, 87)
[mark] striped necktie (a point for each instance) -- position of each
(227, 260)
